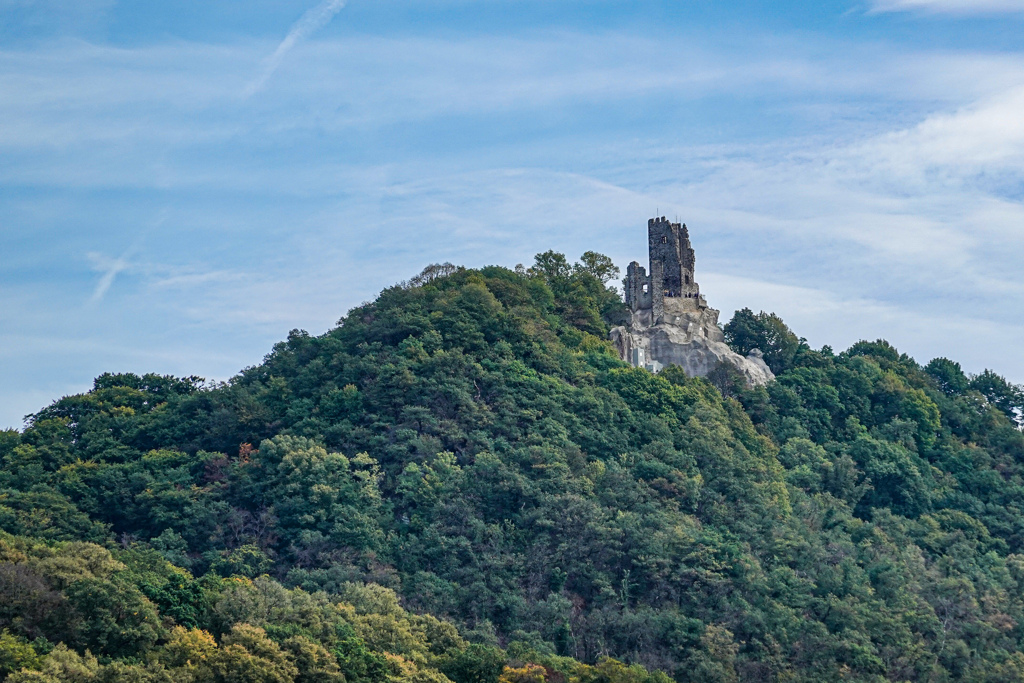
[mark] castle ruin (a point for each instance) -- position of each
(670, 320)
(671, 277)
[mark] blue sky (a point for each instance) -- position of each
(181, 183)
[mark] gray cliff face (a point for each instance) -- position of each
(671, 323)
(695, 348)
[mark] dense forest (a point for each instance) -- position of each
(461, 483)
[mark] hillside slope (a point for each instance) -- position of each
(470, 441)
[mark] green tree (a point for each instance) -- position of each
(715, 662)
(248, 560)
(948, 375)
(552, 266)
(16, 653)
(62, 665)
(314, 662)
(764, 331)
(599, 265)
(247, 655)
(115, 618)
(474, 664)
(1008, 398)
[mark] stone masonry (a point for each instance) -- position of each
(671, 323)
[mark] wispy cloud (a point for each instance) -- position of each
(960, 7)
(58, 16)
(984, 136)
(172, 95)
(308, 24)
(887, 203)
(110, 269)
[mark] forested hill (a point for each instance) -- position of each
(462, 482)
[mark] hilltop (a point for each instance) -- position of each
(462, 481)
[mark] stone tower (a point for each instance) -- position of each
(672, 262)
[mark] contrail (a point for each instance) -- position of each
(312, 20)
(112, 269)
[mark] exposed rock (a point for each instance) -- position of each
(671, 323)
(697, 350)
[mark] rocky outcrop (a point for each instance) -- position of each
(691, 344)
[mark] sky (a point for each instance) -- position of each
(182, 183)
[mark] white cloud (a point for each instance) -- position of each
(950, 6)
(985, 136)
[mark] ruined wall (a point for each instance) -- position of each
(657, 289)
(638, 287)
(687, 262)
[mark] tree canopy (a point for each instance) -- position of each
(461, 482)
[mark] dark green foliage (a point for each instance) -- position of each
(247, 560)
(1000, 393)
(470, 441)
(358, 663)
(476, 664)
(598, 265)
(948, 375)
(115, 617)
(765, 331)
(172, 590)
